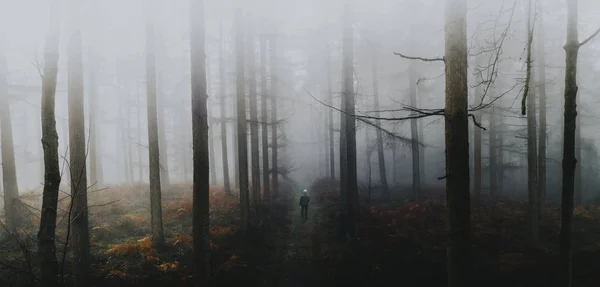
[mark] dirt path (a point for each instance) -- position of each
(296, 268)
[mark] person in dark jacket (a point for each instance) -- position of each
(304, 200)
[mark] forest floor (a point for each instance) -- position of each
(405, 242)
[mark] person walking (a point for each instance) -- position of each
(304, 200)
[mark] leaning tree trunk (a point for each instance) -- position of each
(158, 237)
(241, 123)
(274, 140)
(414, 134)
(47, 233)
(201, 191)
(223, 99)
(264, 118)
(457, 145)
(9, 169)
(253, 116)
(77, 151)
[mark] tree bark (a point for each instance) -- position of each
(47, 233)
(201, 189)
(330, 116)
(569, 161)
(241, 123)
(158, 237)
(223, 99)
(254, 148)
(77, 153)
(457, 145)
(264, 118)
(9, 168)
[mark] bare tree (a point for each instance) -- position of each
(457, 144)
(348, 178)
(201, 221)
(414, 134)
(569, 161)
(47, 233)
(158, 237)
(274, 140)
(541, 72)
(77, 150)
(380, 151)
(254, 150)
(264, 118)
(242, 141)
(223, 99)
(330, 116)
(9, 169)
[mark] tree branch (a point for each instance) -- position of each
(442, 59)
(590, 37)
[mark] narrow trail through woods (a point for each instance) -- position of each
(296, 268)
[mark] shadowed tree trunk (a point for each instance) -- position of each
(414, 134)
(254, 153)
(532, 156)
(9, 169)
(578, 176)
(330, 116)
(201, 221)
(493, 151)
(274, 91)
(477, 147)
(348, 142)
(569, 161)
(95, 167)
(47, 233)
(265, 119)
(77, 154)
(158, 237)
(541, 69)
(380, 151)
(457, 145)
(223, 99)
(241, 122)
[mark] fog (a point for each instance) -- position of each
(307, 32)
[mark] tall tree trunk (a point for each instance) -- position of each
(541, 72)
(423, 175)
(140, 163)
(457, 145)
(77, 148)
(414, 134)
(532, 156)
(493, 151)
(380, 151)
(477, 133)
(254, 149)
(9, 169)
(47, 233)
(158, 237)
(223, 99)
(348, 148)
(569, 161)
(500, 156)
(274, 139)
(161, 98)
(241, 122)
(330, 116)
(95, 169)
(578, 176)
(211, 130)
(265, 119)
(201, 221)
